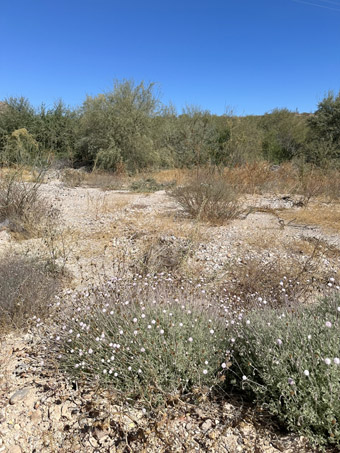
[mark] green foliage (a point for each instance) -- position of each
(56, 128)
(289, 361)
(145, 338)
(325, 123)
(20, 148)
(117, 126)
(284, 135)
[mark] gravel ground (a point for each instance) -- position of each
(40, 412)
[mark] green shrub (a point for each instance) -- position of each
(289, 362)
(208, 197)
(144, 337)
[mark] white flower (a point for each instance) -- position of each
(327, 361)
(142, 350)
(279, 342)
(248, 322)
(291, 381)
(190, 340)
(212, 331)
(205, 371)
(161, 331)
(244, 378)
(328, 324)
(309, 337)
(306, 373)
(90, 351)
(336, 361)
(134, 320)
(224, 365)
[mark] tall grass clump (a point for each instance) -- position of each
(208, 196)
(145, 338)
(22, 207)
(289, 363)
(26, 290)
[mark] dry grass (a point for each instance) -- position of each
(327, 217)
(26, 290)
(208, 197)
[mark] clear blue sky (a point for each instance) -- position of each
(250, 55)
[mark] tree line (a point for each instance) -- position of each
(129, 128)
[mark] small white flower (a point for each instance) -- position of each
(291, 381)
(244, 378)
(134, 320)
(328, 361)
(248, 322)
(279, 342)
(212, 331)
(205, 371)
(142, 350)
(90, 351)
(161, 331)
(190, 340)
(328, 324)
(224, 365)
(336, 361)
(306, 373)
(309, 337)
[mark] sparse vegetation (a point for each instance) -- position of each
(288, 360)
(208, 196)
(22, 208)
(26, 291)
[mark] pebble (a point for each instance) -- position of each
(14, 449)
(19, 395)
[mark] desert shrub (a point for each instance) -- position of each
(20, 148)
(22, 208)
(26, 290)
(72, 178)
(145, 338)
(208, 197)
(145, 185)
(288, 362)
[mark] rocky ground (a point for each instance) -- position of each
(102, 231)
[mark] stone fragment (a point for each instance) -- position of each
(54, 412)
(19, 395)
(14, 449)
(206, 425)
(36, 416)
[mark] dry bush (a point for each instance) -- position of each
(97, 179)
(22, 208)
(275, 282)
(208, 196)
(26, 290)
(165, 253)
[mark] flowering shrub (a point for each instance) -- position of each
(290, 362)
(144, 337)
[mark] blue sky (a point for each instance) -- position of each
(247, 55)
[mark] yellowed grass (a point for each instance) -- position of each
(327, 217)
